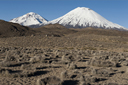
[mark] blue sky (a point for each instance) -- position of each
(113, 10)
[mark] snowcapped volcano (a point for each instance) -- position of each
(82, 17)
(29, 19)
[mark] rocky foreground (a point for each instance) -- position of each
(39, 66)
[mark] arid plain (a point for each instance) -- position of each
(55, 55)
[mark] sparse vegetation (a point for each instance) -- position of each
(65, 57)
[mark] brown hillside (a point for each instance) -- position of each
(54, 29)
(99, 31)
(8, 29)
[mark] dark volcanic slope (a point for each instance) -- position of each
(57, 29)
(99, 31)
(8, 29)
(54, 29)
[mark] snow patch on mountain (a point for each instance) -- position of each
(29, 19)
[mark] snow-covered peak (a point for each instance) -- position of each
(82, 8)
(30, 18)
(82, 17)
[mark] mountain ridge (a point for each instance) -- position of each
(80, 17)
(9, 29)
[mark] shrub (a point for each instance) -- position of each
(36, 59)
(64, 75)
(101, 72)
(86, 79)
(49, 81)
(101, 62)
(71, 66)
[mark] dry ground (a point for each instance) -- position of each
(54, 55)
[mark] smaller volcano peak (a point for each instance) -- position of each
(31, 13)
(29, 19)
